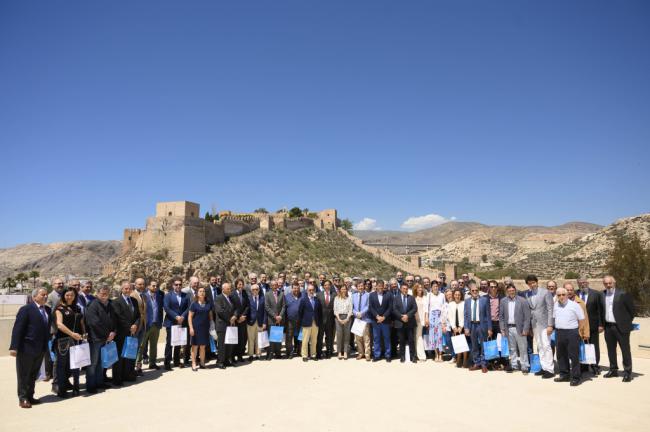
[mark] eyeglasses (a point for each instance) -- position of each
(561, 295)
(177, 284)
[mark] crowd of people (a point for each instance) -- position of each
(407, 318)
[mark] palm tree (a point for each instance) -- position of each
(34, 274)
(20, 278)
(9, 283)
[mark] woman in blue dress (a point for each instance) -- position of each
(199, 321)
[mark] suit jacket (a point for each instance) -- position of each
(225, 309)
(274, 308)
(400, 309)
(623, 309)
(541, 307)
(583, 326)
(485, 322)
(173, 309)
(595, 311)
(100, 321)
(125, 316)
(189, 293)
(522, 315)
(308, 314)
(327, 310)
(240, 300)
(159, 300)
(256, 314)
(361, 306)
(385, 309)
(209, 296)
(31, 330)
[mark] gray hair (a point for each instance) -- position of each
(35, 291)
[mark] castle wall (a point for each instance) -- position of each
(177, 208)
(298, 223)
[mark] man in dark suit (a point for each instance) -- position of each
(404, 309)
(177, 307)
(380, 311)
(100, 325)
(394, 291)
(211, 293)
(226, 316)
(477, 325)
(29, 339)
(618, 308)
(309, 317)
(275, 307)
(593, 302)
(326, 329)
(154, 307)
(127, 317)
(240, 300)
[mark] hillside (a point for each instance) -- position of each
(270, 251)
(79, 258)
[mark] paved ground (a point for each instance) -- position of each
(333, 395)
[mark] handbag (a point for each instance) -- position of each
(213, 346)
(232, 335)
(63, 345)
(179, 336)
(130, 348)
(590, 354)
(108, 355)
(79, 356)
(276, 334)
(262, 339)
(490, 349)
(535, 364)
(343, 316)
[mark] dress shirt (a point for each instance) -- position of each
(567, 316)
(609, 306)
(342, 306)
(494, 308)
(511, 310)
(380, 297)
(475, 310)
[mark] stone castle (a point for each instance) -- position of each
(179, 232)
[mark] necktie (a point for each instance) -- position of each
(275, 294)
(327, 298)
(584, 296)
(42, 309)
(126, 299)
(474, 310)
(404, 302)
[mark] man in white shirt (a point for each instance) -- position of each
(568, 316)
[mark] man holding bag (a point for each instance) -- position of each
(177, 306)
(226, 317)
(477, 326)
(100, 324)
(127, 318)
(568, 317)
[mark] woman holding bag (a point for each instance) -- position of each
(455, 321)
(70, 330)
(199, 320)
(343, 315)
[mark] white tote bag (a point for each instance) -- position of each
(262, 339)
(358, 327)
(460, 344)
(79, 355)
(213, 331)
(231, 335)
(590, 354)
(179, 336)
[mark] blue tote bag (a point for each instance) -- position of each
(505, 347)
(130, 348)
(109, 355)
(582, 352)
(300, 334)
(213, 346)
(490, 350)
(535, 364)
(276, 334)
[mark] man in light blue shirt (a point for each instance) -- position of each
(360, 312)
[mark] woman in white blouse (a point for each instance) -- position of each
(421, 319)
(455, 321)
(437, 320)
(343, 315)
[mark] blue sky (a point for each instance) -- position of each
(503, 112)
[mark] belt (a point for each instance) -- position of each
(512, 325)
(609, 324)
(476, 322)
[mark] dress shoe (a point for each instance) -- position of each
(24, 404)
(168, 367)
(359, 357)
(388, 360)
(91, 391)
(547, 375)
(138, 371)
(34, 401)
(305, 359)
(181, 365)
(75, 392)
(221, 366)
(508, 369)
(627, 377)
(153, 367)
(474, 368)
(524, 371)
(62, 395)
(575, 382)
(414, 361)
(375, 360)
(402, 360)
(484, 369)
(562, 379)
(595, 370)
(611, 374)
(540, 373)
(105, 385)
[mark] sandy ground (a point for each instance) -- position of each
(333, 395)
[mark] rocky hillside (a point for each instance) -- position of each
(80, 258)
(270, 252)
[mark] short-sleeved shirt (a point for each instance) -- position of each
(567, 315)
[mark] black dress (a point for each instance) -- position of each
(201, 323)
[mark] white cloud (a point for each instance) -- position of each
(366, 224)
(426, 221)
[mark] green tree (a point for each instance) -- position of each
(629, 263)
(208, 217)
(21, 278)
(34, 274)
(9, 283)
(295, 212)
(571, 275)
(346, 224)
(47, 286)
